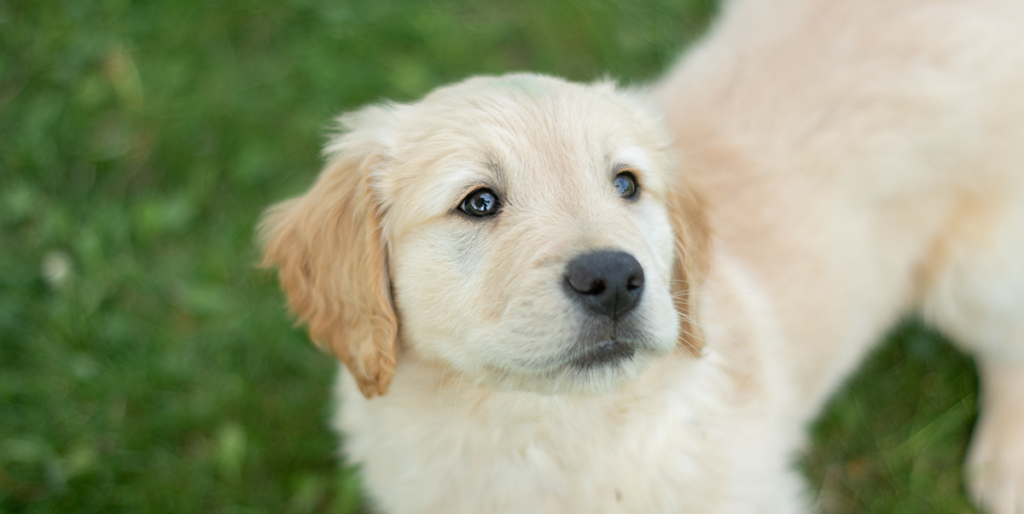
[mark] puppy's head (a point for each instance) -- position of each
(529, 233)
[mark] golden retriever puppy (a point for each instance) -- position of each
(560, 298)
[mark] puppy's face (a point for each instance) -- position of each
(526, 227)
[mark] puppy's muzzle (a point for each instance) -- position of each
(607, 283)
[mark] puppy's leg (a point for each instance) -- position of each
(977, 297)
(995, 464)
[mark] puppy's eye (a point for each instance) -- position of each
(625, 184)
(482, 202)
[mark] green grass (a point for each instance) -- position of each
(893, 440)
(139, 141)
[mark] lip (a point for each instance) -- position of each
(604, 353)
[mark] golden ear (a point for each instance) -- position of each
(331, 259)
(687, 213)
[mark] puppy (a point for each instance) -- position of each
(552, 297)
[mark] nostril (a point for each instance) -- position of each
(583, 283)
(636, 281)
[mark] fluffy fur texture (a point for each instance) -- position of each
(809, 173)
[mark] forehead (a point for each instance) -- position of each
(520, 135)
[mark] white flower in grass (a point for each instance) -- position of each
(56, 268)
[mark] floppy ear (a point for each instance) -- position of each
(693, 251)
(331, 256)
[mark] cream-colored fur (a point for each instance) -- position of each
(809, 173)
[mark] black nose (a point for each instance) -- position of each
(608, 283)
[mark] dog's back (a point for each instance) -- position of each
(865, 159)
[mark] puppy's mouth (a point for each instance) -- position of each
(601, 354)
(588, 365)
(598, 353)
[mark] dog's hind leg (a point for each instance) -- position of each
(995, 463)
(976, 295)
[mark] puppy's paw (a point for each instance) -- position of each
(995, 474)
(995, 461)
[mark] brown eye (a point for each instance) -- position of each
(479, 203)
(625, 185)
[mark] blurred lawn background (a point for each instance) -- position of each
(146, 366)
